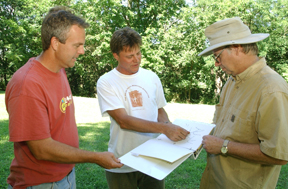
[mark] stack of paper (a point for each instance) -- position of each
(160, 156)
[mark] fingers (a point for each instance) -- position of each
(179, 134)
(176, 133)
(212, 144)
(117, 160)
(109, 161)
(183, 133)
(117, 163)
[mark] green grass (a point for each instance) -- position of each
(94, 136)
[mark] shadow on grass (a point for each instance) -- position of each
(92, 137)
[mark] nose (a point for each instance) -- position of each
(136, 59)
(81, 50)
(217, 64)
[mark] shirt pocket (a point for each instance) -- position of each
(236, 124)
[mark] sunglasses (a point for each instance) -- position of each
(218, 56)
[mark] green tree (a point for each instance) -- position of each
(172, 34)
(261, 17)
(19, 34)
(105, 17)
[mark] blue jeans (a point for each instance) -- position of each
(67, 182)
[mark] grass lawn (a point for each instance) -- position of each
(94, 135)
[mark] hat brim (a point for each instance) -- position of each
(253, 38)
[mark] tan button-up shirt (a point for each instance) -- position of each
(253, 109)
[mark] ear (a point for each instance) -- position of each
(116, 56)
(54, 42)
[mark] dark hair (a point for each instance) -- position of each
(57, 23)
(124, 38)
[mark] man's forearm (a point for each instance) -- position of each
(162, 115)
(51, 150)
(248, 152)
(252, 152)
(128, 122)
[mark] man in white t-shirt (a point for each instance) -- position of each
(133, 97)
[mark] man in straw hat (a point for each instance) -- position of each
(249, 143)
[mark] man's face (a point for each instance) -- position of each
(129, 60)
(225, 60)
(67, 53)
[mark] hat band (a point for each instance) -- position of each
(230, 37)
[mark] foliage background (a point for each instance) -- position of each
(172, 34)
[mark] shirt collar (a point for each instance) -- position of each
(252, 70)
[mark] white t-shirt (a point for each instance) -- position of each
(141, 95)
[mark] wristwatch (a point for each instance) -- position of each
(224, 148)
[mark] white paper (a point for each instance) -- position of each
(148, 157)
(164, 148)
(160, 149)
(194, 139)
(153, 167)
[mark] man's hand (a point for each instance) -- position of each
(107, 160)
(175, 132)
(212, 144)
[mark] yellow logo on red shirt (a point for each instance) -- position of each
(65, 102)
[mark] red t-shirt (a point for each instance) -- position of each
(40, 105)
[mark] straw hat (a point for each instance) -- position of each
(228, 32)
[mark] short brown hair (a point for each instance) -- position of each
(125, 37)
(57, 23)
(252, 47)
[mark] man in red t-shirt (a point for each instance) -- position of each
(41, 109)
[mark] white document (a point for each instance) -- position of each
(160, 156)
(153, 167)
(160, 149)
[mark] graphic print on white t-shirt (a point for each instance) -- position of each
(137, 96)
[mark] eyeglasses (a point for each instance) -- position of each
(218, 56)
